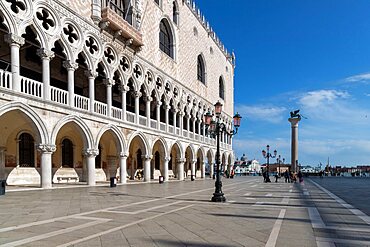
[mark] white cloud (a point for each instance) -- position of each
(271, 114)
(367, 94)
(359, 78)
(317, 98)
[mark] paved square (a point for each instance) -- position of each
(181, 214)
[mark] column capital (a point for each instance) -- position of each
(90, 152)
(180, 160)
(147, 157)
(123, 155)
(167, 159)
(167, 106)
(294, 121)
(46, 148)
(69, 65)
(158, 103)
(108, 82)
(12, 38)
(193, 161)
(91, 73)
(137, 94)
(148, 98)
(123, 88)
(45, 54)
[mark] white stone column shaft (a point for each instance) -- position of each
(109, 83)
(294, 142)
(203, 170)
(124, 95)
(158, 114)
(91, 75)
(212, 169)
(180, 169)
(147, 159)
(15, 42)
(192, 167)
(174, 121)
(46, 56)
(71, 67)
(137, 106)
(123, 169)
(147, 111)
(46, 164)
(167, 109)
(90, 155)
(165, 170)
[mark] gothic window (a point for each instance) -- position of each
(120, 7)
(166, 39)
(157, 160)
(201, 70)
(175, 13)
(26, 150)
(221, 88)
(67, 153)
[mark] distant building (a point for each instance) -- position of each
(246, 167)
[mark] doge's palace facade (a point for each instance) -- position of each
(93, 89)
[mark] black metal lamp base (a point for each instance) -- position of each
(218, 197)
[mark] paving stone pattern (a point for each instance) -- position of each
(181, 214)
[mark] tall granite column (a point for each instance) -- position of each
(294, 147)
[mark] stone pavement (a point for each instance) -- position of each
(181, 214)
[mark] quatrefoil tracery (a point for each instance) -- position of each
(124, 64)
(109, 55)
(71, 34)
(137, 71)
(92, 45)
(44, 17)
(16, 6)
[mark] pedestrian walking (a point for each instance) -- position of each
(300, 177)
(286, 176)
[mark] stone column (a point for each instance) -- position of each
(147, 159)
(109, 83)
(167, 109)
(15, 42)
(212, 169)
(294, 146)
(91, 74)
(203, 168)
(46, 151)
(96, 11)
(199, 126)
(188, 124)
(45, 56)
(165, 170)
(192, 167)
(123, 168)
(2, 162)
(194, 119)
(204, 131)
(90, 155)
(159, 114)
(71, 67)
(124, 90)
(174, 120)
(180, 169)
(147, 110)
(137, 106)
(181, 125)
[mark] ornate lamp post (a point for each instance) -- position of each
(278, 160)
(215, 128)
(267, 155)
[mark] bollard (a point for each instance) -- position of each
(161, 179)
(113, 182)
(192, 177)
(2, 187)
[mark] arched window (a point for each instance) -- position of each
(201, 70)
(175, 13)
(166, 39)
(221, 88)
(26, 150)
(157, 160)
(67, 153)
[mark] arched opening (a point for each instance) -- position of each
(81, 81)
(26, 150)
(31, 65)
(173, 163)
(135, 161)
(58, 73)
(188, 160)
(116, 92)
(158, 160)
(100, 87)
(67, 153)
(142, 101)
(162, 110)
(130, 97)
(201, 72)
(221, 88)
(166, 43)
(153, 104)
(5, 61)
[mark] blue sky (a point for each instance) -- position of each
(307, 55)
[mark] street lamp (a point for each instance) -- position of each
(278, 160)
(267, 155)
(215, 128)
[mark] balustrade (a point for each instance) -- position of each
(6, 79)
(100, 108)
(142, 120)
(153, 124)
(163, 127)
(130, 117)
(116, 112)
(31, 87)
(58, 95)
(82, 102)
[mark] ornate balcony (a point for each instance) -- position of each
(119, 18)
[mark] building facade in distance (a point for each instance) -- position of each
(91, 89)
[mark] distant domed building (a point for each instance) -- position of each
(246, 167)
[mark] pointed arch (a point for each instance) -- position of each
(201, 69)
(83, 128)
(31, 114)
(164, 144)
(143, 140)
(179, 146)
(167, 42)
(110, 127)
(221, 88)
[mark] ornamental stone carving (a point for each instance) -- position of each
(46, 148)
(45, 54)
(90, 152)
(12, 38)
(70, 65)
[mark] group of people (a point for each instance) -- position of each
(288, 176)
